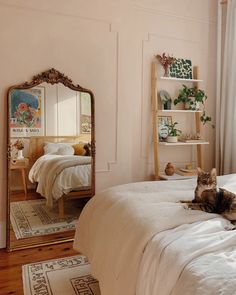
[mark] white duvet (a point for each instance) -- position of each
(140, 241)
(76, 176)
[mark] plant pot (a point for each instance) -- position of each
(194, 107)
(167, 105)
(172, 139)
(20, 154)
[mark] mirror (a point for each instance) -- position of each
(51, 159)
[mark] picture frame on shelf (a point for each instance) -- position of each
(164, 120)
(181, 68)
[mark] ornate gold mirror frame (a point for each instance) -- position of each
(52, 77)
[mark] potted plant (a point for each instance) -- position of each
(19, 145)
(192, 97)
(173, 132)
(165, 99)
(165, 61)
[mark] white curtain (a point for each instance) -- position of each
(226, 90)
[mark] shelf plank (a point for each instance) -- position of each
(175, 177)
(180, 79)
(182, 143)
(178, 111)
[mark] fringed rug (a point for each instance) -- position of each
(64, 276)
(32, 218)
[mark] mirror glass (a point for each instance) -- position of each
(50, 162)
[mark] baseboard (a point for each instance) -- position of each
(2, 234)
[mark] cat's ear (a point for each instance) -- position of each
(199, 171)
(213, 172)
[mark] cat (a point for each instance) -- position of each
(208, 198)
(206, 182)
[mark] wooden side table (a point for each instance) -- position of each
(21, 164)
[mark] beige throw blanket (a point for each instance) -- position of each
(116, 225)
(46, 169)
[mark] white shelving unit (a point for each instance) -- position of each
(156, 112)
(175, 177)
(177, 111)
(182, 143)
(181, 80)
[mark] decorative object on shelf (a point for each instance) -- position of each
(192, 97)
(163, 130)
(169, 170)
(165, 61)
(19, 145)
(186, 172)
(165, 99)
(181, 68)
(189, 137)
(189, 166)
(173, 133)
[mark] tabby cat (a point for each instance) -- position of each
(208, 198)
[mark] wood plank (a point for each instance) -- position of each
(11, 263)
(154, 119)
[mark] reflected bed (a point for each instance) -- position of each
(140, 240)
(61, 168)
(57, 175)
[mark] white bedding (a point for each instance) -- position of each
(121, 229)
(72, 177)
(198, 258)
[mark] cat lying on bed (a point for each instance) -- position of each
(208, 198)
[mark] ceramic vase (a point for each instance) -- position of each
(169, 170)
(20, 154)
(172, 139)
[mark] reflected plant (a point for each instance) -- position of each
(18, 144)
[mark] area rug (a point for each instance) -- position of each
(64, 276)
(32, 218)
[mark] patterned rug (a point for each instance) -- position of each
(64, 276)
(32, 218)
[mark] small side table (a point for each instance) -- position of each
(21, 164)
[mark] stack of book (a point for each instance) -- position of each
(186, 172)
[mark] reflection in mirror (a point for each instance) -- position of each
(51, 163)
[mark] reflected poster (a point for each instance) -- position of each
(27, 112)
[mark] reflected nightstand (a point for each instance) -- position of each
(21, 164)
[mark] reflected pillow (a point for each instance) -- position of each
(58, 149)
(79, 149)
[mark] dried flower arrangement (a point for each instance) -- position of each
(165, 61)
(19, 144)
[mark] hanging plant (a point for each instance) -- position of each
(192, 97)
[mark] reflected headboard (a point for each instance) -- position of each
(36, 143)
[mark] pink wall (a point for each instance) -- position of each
(106, 46)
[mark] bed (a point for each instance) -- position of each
(59, 173)
(141, 241)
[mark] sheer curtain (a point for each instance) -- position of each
(226, 90)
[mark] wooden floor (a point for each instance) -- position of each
(10, 264)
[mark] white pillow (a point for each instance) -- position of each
(58, 149)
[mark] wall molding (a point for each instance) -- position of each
(46, 11)
(115, 161)
(166, 13)
(109, 25)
